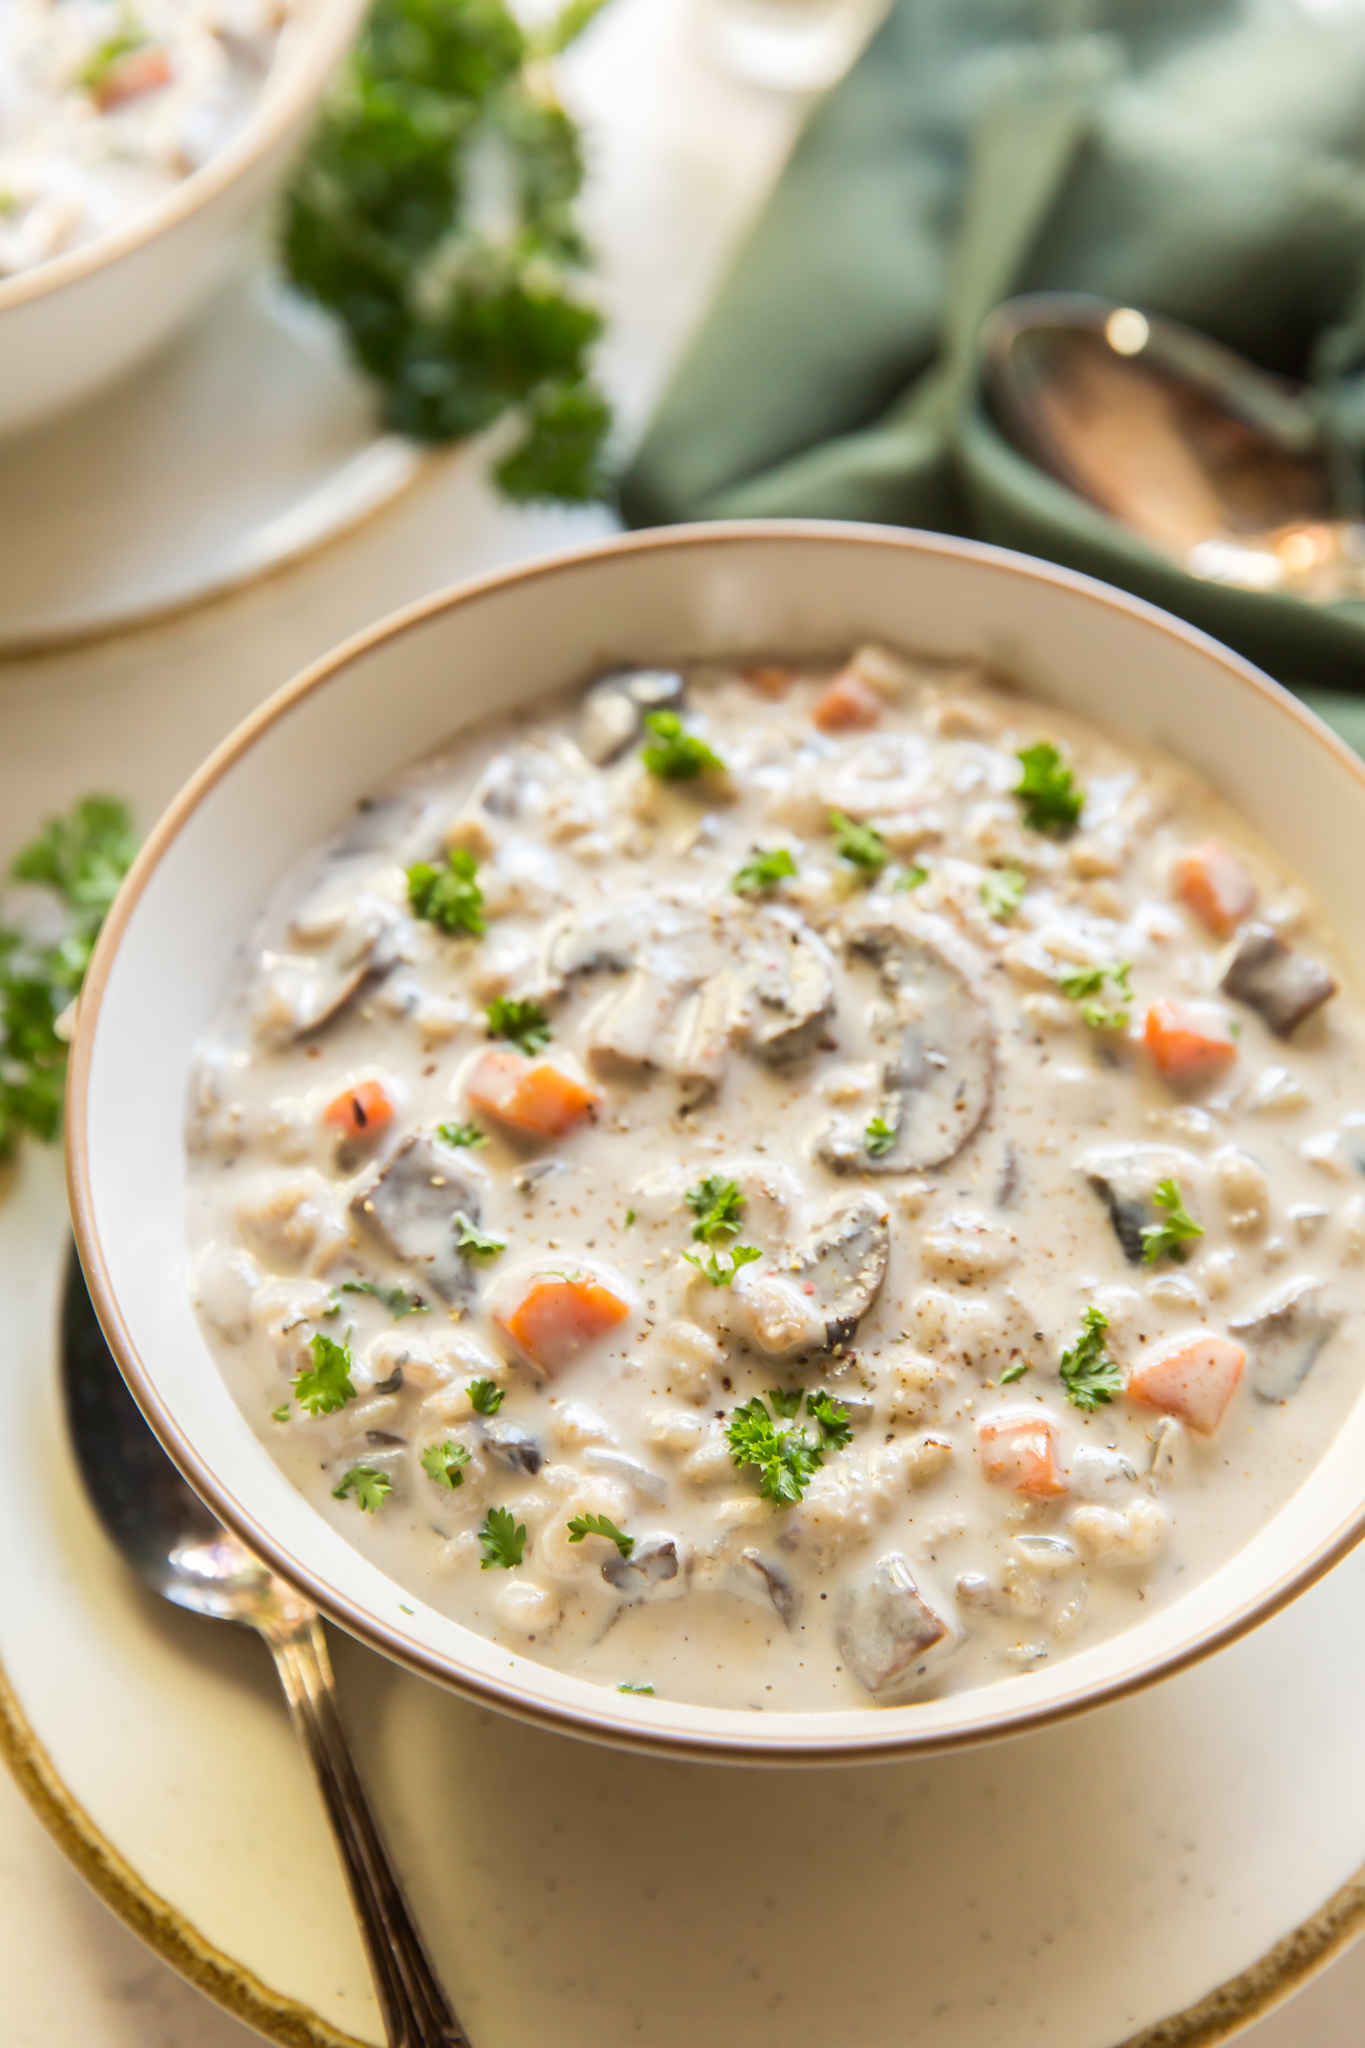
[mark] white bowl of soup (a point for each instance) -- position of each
(137, 150)
(746, 1141)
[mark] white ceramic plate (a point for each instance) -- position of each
(289, 776)
(1083, 1886)
(246, 443)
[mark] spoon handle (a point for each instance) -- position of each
(415, 2010)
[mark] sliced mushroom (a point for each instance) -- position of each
(886, 1631)
(1126, 1178)
(1284, 986)
(846, 1260)
(1284, 1337)
(699, 979)
(654, 1564)
(616, 1465)
(339, 946)
(511, 1445)
(938, 1086)
(412, 1209)
(614, 709)
(763, 1581)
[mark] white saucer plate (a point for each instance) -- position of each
(246, 443)
(1126, 1877)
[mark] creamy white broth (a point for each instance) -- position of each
(749, 1038)
(104, 108)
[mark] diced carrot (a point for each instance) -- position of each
(769, 680)
(846, 705)
(1188, 1042)
(1195, 1379)
(1212, 883)
(362, 1111)
(140, 71)
(534, 1096)
(559, 1316)
(1021, 1451)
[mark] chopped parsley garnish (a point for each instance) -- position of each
(764, 871)
(474, 1241)
(676, 754)
(1047, 790)
(721, 1268)
(519, 1020)
(784, 1456)
(1090, 1377)
(461, 1135)
(630, 1218)
(503, 1539)
(81, 859)
(786, 1402)
(879, 1137)
(280, 1414)
(396, 1300)
(832, 1416)
(458, 298)
(1170, 1237)
(862, 846)
(326, 1385)
(636, 1688)
(1085, 985)
(1013, 1372)
(580, 1526)
(449, 897)
(445, 1464)
(1002, 891)
(717, 1205)
(485, 1396)
(370, 1486)
(95, 74)
(911, 878)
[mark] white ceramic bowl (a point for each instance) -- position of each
(81, 320)
(289, 776)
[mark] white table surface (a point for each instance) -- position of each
(681, 156)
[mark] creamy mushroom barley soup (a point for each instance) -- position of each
(788, 1187)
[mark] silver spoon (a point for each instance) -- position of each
(164, 1531)
(1230, 470)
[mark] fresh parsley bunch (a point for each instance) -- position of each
(434, 215)
(81, 859)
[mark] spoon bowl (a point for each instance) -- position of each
(1212, 460)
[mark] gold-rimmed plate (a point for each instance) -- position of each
(1156, 1874)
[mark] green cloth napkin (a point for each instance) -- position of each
(1202, 158)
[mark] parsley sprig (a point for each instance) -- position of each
(485, 1396)
(721, 1267)
(862, 846)
(460, 1135)
(519, 1020)
(475, 1243)
(1002, 891)
(764, 871)
(370, 1486)
(326, 1385)
(785, 1456)
(1085, 985)
(718, 1205)
(397, 1300)
(879, 1137)
(80, 859)
(449, 897)
(461, 313)
(674, 754)
(503, 1539)
(580, 1526)
(445, 1464)
(1047, 790)
(1089, 1376)
(1169, 1238)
